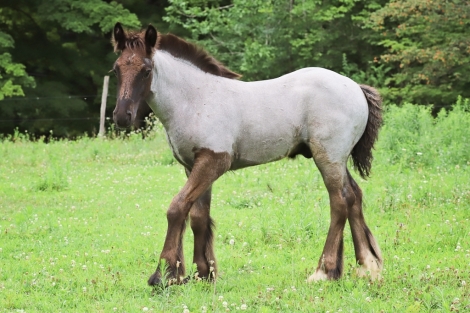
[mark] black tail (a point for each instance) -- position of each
(362, 151)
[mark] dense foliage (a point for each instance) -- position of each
(54, 53)
(429, 44)
(266, 39)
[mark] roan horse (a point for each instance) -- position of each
(216, 123)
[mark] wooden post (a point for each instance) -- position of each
(104, 96)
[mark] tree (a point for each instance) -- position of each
(265, 39)
(13, 76)
(64, 46)
(428, 43)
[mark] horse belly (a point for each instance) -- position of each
(261, 155)
(258, 145)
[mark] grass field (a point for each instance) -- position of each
(82, 224)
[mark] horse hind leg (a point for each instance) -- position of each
(368, 254)
(202, 226)
(330, 265)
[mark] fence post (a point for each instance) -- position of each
(104, 96)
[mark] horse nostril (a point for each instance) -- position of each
(129, 112)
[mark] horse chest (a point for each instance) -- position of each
(179, 149)
(185, 142)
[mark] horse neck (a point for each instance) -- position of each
(178, 87)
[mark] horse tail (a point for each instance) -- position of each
(362, 152)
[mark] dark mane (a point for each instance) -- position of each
(179, 48)
(182, 49)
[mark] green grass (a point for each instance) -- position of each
(82, 224)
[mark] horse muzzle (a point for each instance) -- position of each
(123, 114)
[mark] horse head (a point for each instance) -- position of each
(133, 70)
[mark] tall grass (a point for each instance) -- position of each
(413, 137)
(82, 224)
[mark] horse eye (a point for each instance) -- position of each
(147, 73)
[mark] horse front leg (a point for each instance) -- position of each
(172, 251)
(202, 226)
(208, 166)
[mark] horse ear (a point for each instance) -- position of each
(150, 38)
(119, 37)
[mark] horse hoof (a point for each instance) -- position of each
(319, 275)
(371, 268)
(155, 279)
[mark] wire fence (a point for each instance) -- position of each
(51, 119)
(85, 97)
(44, 119)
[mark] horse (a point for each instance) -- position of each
(216, 123)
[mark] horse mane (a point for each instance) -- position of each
(180, 48)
